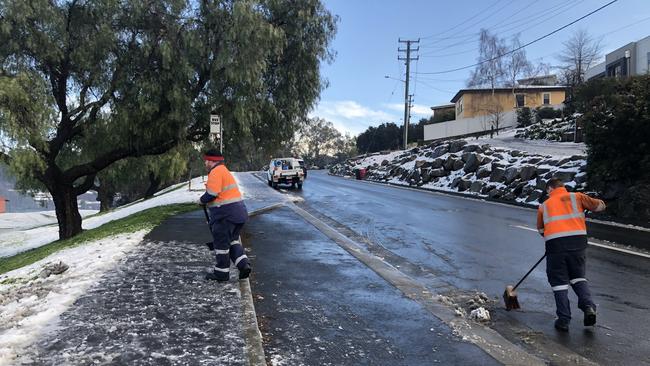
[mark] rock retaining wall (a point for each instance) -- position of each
(479, 170)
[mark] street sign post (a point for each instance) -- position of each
(215, 124)
(217, 129)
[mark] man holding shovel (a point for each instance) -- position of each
(561, 220)
(227, 217)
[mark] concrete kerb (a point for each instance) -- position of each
(253, 336)
(254, 347)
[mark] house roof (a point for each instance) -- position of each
(520, 88)
(442, 106)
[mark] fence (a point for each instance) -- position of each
(467, 126)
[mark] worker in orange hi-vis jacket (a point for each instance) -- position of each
(227, 217)
(561, 220)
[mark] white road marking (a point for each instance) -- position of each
(596, 244)
(475, 198)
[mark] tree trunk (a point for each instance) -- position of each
(154, 184)
(67, 210)
(105, 198)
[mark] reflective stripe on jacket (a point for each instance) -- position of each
(222, 184)
(562, 214)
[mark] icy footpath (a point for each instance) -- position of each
(30, 305)
(132, 298)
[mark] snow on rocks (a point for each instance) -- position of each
(53, 269)
(460, 312)
(477, 301)
(557, 129)
(480, 315)
(445, 300)
(473, 169)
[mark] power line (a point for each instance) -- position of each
(599, 36)
(529, 27)
(433, 36)
(435, 88)
(523, 46)
(626, 26)
(473, 33)
(550, 14)
(440, 80)
(486, 17)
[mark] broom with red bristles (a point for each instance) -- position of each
(510, 294)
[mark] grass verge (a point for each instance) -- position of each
(146, 219)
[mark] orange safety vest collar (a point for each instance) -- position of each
(563, 215)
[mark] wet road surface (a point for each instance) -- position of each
(456, 245)
(318, 305)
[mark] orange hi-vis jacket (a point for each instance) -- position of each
(222, 184)
(562, 214)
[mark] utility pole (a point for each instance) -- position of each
(407, 60)
(409, 119)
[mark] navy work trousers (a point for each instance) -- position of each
(564, 269)
(227, 247)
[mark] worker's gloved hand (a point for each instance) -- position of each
(201, 203)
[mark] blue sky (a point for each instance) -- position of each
(366, 44)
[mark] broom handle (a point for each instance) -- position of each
(205, 211)
(526, 275)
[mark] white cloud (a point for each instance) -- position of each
(350, 116)
(421, 110)
(416, 109)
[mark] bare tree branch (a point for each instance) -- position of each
(580, 52)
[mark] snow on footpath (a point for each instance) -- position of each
(30, 305)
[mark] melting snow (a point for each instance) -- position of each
(30, 305)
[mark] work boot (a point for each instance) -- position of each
(213, 276)
(562, 325)
(590, 316)
(245, 272)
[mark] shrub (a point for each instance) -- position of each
(548, 113)
(617, 133)
(524, 117)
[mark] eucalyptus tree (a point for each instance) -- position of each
(136, 78)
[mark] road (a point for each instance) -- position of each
(456, 246)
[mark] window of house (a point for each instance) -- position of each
(521, 100)
(618, 71)
(547, 98)
(459, 106)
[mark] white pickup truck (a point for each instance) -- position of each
(285, 171)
